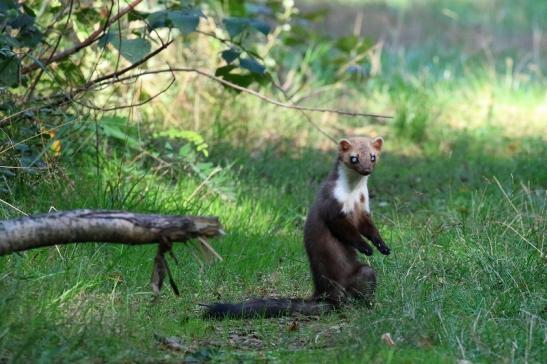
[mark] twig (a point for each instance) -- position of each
(120, 107)
(306, 116)
(39, 76)
(88, 41)
(63, 98)
(116, 74)
(242, 89)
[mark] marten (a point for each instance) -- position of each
(334, 230)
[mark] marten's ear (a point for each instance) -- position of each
(344, 145)
(378, 143)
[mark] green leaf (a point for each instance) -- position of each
(252, 65)
(261, 26)
(230, 55)
(105, 39)
(21, 21)
(9, 68)
(223, 71)
(159, 19)
(7, 5)
(131, 49)
(185, 150)
(29, 37)
(236, 26)
(134, 15)
(7, 42)
(240, 80)
(255, 9)
(28, 10)
(88, 16)
(112, 127)
(185, 21)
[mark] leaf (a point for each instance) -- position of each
(185, 20)
(261, 26)
(9, 68)
(21, 21)
(230, 55)
(7, 42)
(131, 49)
(7, 5)
(111, 127)
(29, 11)
(258, 9)
(252, 65)
(240, 80)
(134, 15)
(185, 150)
(29, 36)
(236, 26)
(225, 70)
(88, 16)
(159, 19)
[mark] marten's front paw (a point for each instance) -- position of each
(365, 249)
(384, 249)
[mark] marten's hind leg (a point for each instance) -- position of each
(363, 284)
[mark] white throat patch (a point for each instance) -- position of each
(351, 190)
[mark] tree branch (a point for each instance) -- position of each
(79, 226)
(88, 41)
(234, 86)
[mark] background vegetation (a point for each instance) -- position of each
(460, 194)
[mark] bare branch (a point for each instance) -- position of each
(61, 34)
(236, 87)
(87, 42)
(119, 107)
(80, 226)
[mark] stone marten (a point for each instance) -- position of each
(334, 230)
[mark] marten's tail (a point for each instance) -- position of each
(266, 307)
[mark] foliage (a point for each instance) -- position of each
(43, 96)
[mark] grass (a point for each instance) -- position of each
(459, 195)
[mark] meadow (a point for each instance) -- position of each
(459, 195)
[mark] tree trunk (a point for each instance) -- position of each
(80, 226)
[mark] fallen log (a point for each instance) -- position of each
(104, 226)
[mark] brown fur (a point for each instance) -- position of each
(332, 236)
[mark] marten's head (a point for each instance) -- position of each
(360, 153)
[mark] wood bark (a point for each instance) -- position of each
(105, 226)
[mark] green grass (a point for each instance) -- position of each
(463, 281)
(459, 196)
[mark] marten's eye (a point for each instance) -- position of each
(373, 158)
(354, 159)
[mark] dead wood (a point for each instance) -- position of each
(80, 226)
